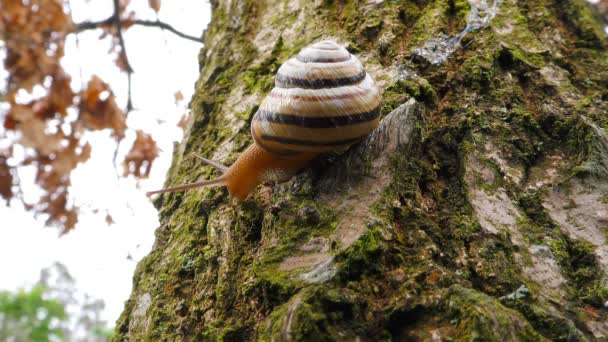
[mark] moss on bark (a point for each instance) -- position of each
(514, 118)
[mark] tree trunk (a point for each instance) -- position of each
(478, 210)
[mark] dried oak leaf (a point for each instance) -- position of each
(9, 122)
(34, 129)
(61, 95)
(122, 5)
(14, 12)
(54, 171)
(34, 135)
(109, 219)
(49, 16)
(138, 161)
(183, 121)
(98, 108)
(6, 179)
(56, 206)
(34, 34)
(122, 62)
(67, 159)
(179, 97)
(128, 21)
(154, 5)
(27, 66)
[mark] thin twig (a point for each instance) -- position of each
(123, 50)
(91, 25)
(121, 41)
(167, 27)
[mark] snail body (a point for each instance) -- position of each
(322, 100)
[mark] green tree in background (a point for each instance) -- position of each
(52, 311)
(85, 323)
(29, 316)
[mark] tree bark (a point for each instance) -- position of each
(478, 210)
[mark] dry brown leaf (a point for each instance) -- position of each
(179, 97)
(34, 135)
(6, 179)
(154, 5)
(121, 61)
(30, 119)
(56, 206)
(9, 122)
(31, 34)
(138, 161)
(54, 171)
(70, 157)
(109, 219)
(183, 122)
(98, 113)
(122, 5)
(128, 22)
(21, 113)
(61, 95)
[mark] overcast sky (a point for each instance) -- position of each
(97, 255)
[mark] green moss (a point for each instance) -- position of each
(399, 92)
(581, 142)
(480, 317)
(577, 15)
(515, 32)
(372, 26)
(462, 8)
(496, 272)
(432, 22)
(515, 58)
(290, 229)
(260, 77)
(408, 12)
(531, 203)
(478, 72)
(318, 313)
(578, 260)
(551, 326)
(393, 96)
(235, 331)
(362, 257)
(366, 26)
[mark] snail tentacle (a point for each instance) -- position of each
(220, 181)
(209, 162)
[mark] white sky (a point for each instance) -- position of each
(95, 253)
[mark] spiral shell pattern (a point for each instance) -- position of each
(322, 100)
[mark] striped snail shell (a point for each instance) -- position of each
(322, 100)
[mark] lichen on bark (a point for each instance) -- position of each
(477, 212)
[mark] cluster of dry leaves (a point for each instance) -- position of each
(51, 127)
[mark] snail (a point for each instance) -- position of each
(322, 100)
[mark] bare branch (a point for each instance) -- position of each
(91, 25)
(118, 24)
(163, 25)
(121, 40)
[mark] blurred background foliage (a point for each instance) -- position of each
(52, 311)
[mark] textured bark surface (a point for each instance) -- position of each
(477, 211)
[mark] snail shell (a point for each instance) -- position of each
(322, 100)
